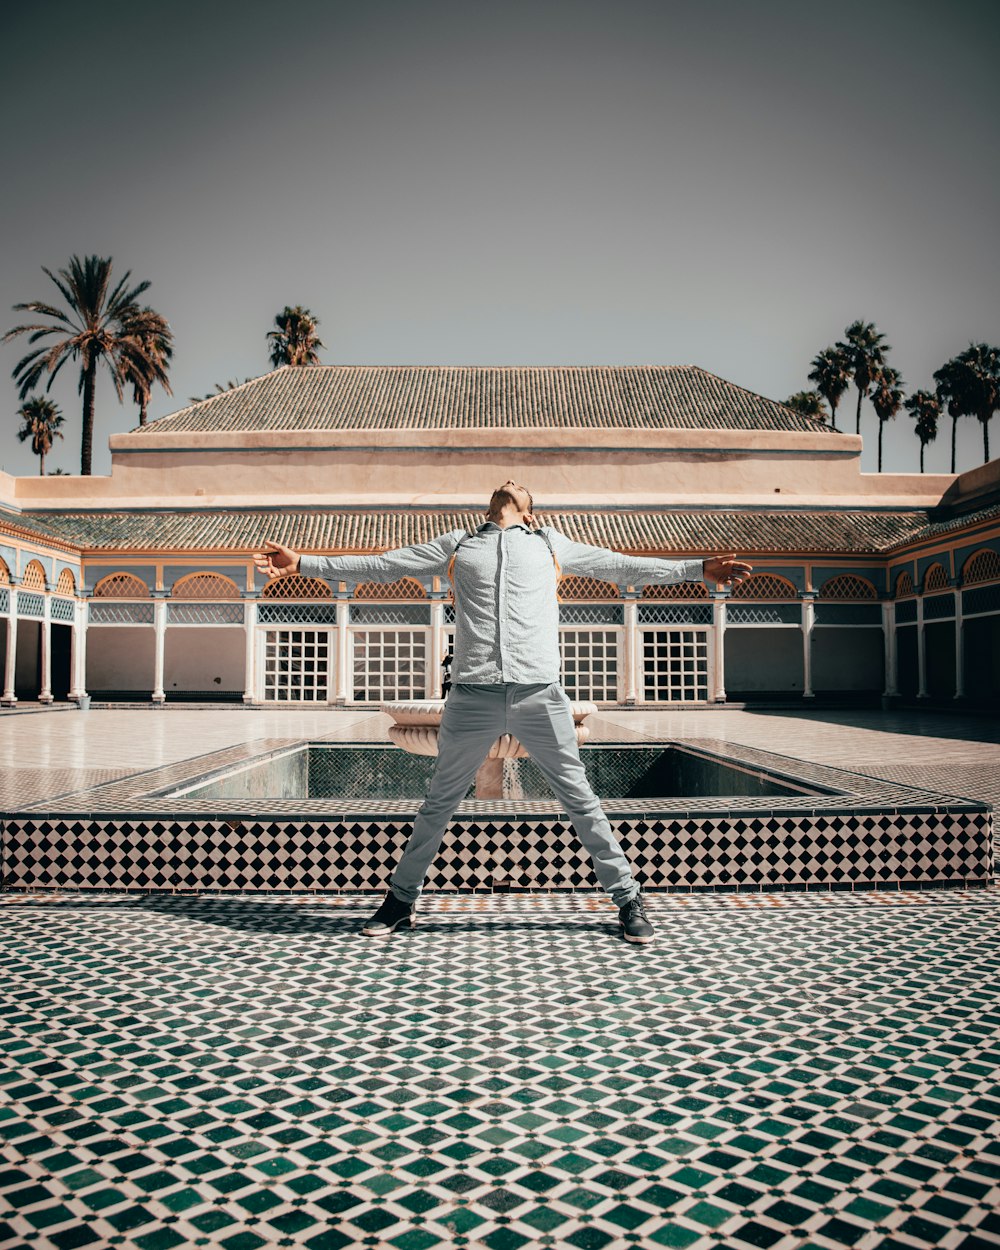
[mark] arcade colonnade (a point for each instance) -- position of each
(206, 636)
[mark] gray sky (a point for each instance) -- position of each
(718, 183)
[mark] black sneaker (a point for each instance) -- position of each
(392, 915)
(633, 921)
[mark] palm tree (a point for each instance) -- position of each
(295, 342)
(146, 349)
(90, 329)
(970, 383)
(831, 377)
(808, 404)
(949, 385)
(887, 399)
(925, 408)
(864, 351)
(42, 420)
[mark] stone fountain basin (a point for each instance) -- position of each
(416, 723)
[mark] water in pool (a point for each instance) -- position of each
(380, 771)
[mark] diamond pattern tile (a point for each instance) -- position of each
(778, 1070)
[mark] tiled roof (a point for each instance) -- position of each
(757, 530)
(370, 397)
(947, 525)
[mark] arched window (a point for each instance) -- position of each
(586, 588)
(848, 586)
(66, 584)
(205, 586)
(296, 587)
(405, 588)
(935, 578)
(4, 573)
(764, 586)
(983, 566)
(904, 584)
(678, 590)
(121, 586)
(34, 576)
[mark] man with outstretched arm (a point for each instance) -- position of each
(505, 674)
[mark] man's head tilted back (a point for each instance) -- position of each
(510, 495)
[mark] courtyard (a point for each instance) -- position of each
(785, 1069)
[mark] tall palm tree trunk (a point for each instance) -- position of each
(922, 446)
(954, 430)
(87, 436)
(41, 464)
(986, 438)
(881, 427)
(857, 424)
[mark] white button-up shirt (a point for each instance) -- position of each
(506, 604)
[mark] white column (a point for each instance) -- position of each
(250, 652)
(959, 650)
(45, 644)
(433, 674)
(160, 626)
(9, 698)
(808, 621)
(78, 650)
(630, 649)
(719, 647)
(921, 651)
(343, 649)
(889, 641)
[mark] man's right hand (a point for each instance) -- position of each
(276, 561)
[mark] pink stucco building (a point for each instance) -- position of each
(140, 585)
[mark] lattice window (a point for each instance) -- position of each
(62, 609)
(120, 614)
(939, 607)
(675, 665)
(848, 586)
(764, 586)
(204, 613)
(4, 599)
(121, 586)
(984, 566)
(979, 599)
(764, 614)
(4, 573)
(34, 576)
(586, 588)
(904, 584)
(935, 578)
(296, 587)
(390, 614)
(674, 613)
(297, 665)
(205, 586)
(389, 664)
(66, 585)
(590, 663)
(679, 590)
(591, 614)
(906, 612)
(405, 588)
(297, 613)
(30, 604)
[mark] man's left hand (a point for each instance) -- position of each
(726, 570)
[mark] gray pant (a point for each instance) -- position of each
(539, 716)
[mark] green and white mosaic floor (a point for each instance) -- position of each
(795, 1070)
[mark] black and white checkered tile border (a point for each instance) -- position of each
(749, 851)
